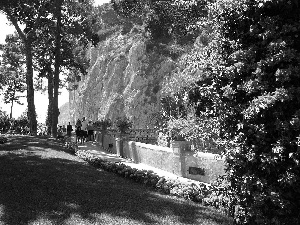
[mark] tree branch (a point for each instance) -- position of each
(16, 25)
(38, 19)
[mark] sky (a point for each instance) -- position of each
(41, 100)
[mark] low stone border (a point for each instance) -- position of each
(215, 195)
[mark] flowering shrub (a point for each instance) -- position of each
(163, 139)
(259, 88)
(209, 195)
(70, 145)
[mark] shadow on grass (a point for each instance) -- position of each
(17, 142)
(49, 184)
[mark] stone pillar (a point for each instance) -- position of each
(119, 144)
(103, 132)
(179, 149)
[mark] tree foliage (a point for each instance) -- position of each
(29, 14)
(4, 121)
(165, 20)
(260, 87)
(12, 63)
(242, 80)
(52, 29)
(244, 72)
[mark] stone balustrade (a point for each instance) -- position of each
(178, 159)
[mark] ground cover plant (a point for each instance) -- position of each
(215, 194)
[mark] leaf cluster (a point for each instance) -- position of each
(165, 20)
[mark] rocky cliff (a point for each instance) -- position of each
(125, 78)
(64, 115)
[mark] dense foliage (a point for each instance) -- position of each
(247, 77)
(241, 80)
(19, 124)
(165, 20)
(102, 124)
(49, 32)
(260, 88)
(122, 124)
(11, 68)
(4, 122)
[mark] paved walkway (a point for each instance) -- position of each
(95, 148)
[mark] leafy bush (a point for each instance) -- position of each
(248, 78)
(103, 124)
(244, 75)
(209, 195)
(4, 121)
(122, 124)
(260, 88)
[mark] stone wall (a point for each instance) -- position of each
(178, 159)
(211, 164)
(152, 155)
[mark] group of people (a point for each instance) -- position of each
(84, 130)
(62, 130)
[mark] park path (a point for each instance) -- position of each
(42, 183)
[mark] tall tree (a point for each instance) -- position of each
(28, 13)
(59, 47)
(58, 33)
(36, 15)
(12, 61)
(72, 34)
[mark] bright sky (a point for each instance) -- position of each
(41, 100)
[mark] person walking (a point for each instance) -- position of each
(84, 127)
(90, 130)
(78, 124)
(78, 130)
(69, 129)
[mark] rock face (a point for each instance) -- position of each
(64, 115)
(124, 79)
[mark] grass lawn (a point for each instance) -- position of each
(41, 183)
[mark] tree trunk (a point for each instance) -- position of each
(55, 111)
(30, 90)
(50, 105)
(11, 108)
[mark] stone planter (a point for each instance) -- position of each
(103, 132)
(179, 151)
(119, 146)
(119, 143)
(179, 147)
